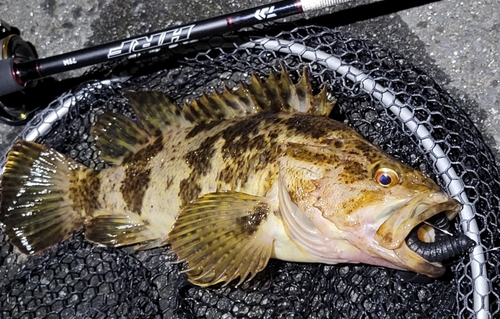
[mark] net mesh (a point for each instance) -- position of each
(78, 279)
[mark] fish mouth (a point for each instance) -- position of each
(420, 234)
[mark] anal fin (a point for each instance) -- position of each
(222, 236)
(110, 229)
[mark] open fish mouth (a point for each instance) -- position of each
(407, 216)
(432, 240)
(435, 241)
(421, 236)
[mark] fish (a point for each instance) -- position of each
(229, 181)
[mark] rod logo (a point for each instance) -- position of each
(149, 42)
(265, 13)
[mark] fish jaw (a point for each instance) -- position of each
(304, 234)
(393, 231)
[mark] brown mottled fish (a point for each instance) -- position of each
(229, 181)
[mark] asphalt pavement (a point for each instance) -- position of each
(456, 42)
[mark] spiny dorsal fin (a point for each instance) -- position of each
(272, 95)
(117, 136)
(299, 97)
(213, 107)
(320, 104)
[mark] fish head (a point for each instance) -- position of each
(377, 218)
(368, 202)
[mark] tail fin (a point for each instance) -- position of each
(35, 207)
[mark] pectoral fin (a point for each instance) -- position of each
(222, 236)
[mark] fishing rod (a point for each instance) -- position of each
(20, 67)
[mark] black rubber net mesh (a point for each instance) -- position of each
(79, 279)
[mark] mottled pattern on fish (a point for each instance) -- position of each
(229, 181)
(240, 155)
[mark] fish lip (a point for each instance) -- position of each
(393, 232)
(412, 261)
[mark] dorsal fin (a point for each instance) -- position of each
(276, 94)
(272, 95)
(155, 111)
(117, 136)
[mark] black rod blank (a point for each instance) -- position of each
(14, 74)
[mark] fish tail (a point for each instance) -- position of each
(36, 208)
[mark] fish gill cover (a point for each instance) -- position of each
(79, 279)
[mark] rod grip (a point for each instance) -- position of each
(8, 83)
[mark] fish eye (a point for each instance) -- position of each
(386, 177)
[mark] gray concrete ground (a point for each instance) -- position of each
(456, 42)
